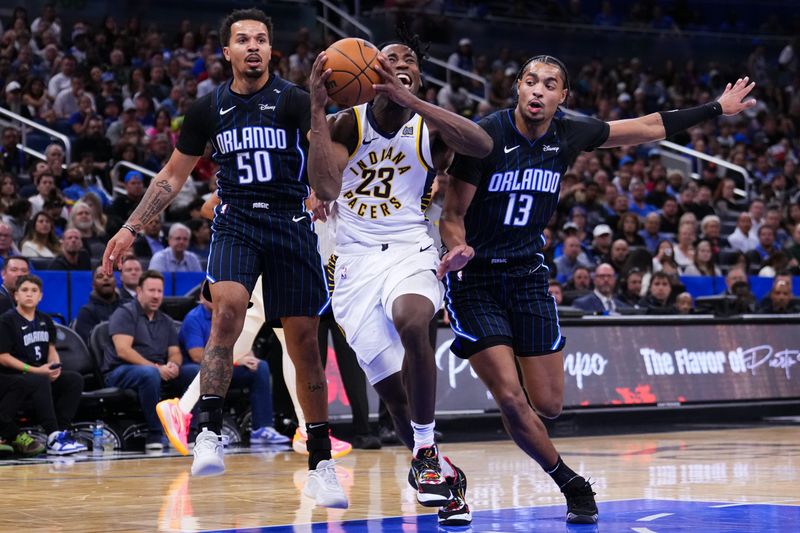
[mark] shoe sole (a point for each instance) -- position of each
(330, 503)
(581, 519)
(208, 470)
(179, 446)
(464, 519)
(427, 499)
(71, 452)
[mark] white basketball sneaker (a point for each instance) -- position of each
(324, 487)
(208, 454)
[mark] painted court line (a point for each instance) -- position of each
(642, 530)
(653, 517)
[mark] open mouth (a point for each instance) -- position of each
(535, 106)
(405, 79)
(253, 60)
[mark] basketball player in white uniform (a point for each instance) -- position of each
(376, 163)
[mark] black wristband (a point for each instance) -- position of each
(683, 119)
(443, 250)
(130, 228)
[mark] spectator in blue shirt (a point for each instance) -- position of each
(651, 233)
(176, 257)
(79, 187)
(638, 205)
(248, 372)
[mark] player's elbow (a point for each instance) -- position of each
(326, 193)
(485, 146)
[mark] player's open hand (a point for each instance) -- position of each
(391, 86)
(455, 260)
(316, 83)
(115, 250)
(733, 96)
(319, 209)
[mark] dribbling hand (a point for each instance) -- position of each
(455, 260)
(115, 250)
(731, 99)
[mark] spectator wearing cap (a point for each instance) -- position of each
(638, 205)
(602, 299)
(124, 204)
(12, 98)
(572, 258)
(176, 257)
(72, 256)
(577, 216)
(779, 301)
(601, 243)
(55, 208)
(710, 176)
(462, 58)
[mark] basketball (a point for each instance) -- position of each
(352, 61)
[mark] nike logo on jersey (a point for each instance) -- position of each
(369, 141)
(508, 150)
(276, 91)
(24, 328)
(426, 248)
(548, 148)
(298, 219)
(226, 111)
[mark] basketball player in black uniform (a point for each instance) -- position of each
(257, 124)
(497, 284)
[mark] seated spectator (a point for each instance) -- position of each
(248, 372)
(742, 238)
(92, 233)
(145, 352)
(150, 241)
(601, 245)
(619, 254)
(664, 259)
(556, 291)
(779, 301)
(710, 228)
(15, 392)
(40, 240)
(45, 190)
(124, 204)
(773, 219)
(725, 203)
(777, 262)
(80, 185)
(658, 300)
(630, 292)
(766, 246)
(176, 257)
(7, 246)
(13, 268)
(601, 300)
(793, 250)
(704, 264)
(735, 275)
(28, 347)
(670, 216)
(129, 277)
(9, 192)
(684, 305)
(201, 237)
(651, 234)
(72, 256)
(638, 205)
(54, 207)
(454, 97)
(684, 248)
(581, 280)
(572, 258)
(628, 229)
(701, 206)
(103, 301)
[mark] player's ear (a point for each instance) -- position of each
(226, 53)
(564, 94)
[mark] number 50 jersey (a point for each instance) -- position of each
(519, 184)
(385, 185)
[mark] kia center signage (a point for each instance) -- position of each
(618, 363)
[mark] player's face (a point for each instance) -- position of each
(28, 295)
(249, 50)
(405, 64)
(541, 90)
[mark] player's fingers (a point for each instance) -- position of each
(109, 258)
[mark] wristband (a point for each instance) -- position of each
(25, 368)
(683, 119)
(443, 250)
(130, 228)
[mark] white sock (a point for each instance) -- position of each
(447, 469)
(190, 397)
(423, 435)
(290, 377)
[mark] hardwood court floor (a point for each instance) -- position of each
(698, 480)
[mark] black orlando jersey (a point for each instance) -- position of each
(28, 341)
(518, 185)
(259, 142)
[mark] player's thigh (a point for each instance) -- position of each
(415, 298)
(495, 366)
(533, 316)
(544, 382)
(234, 255)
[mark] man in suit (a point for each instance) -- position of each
(601, 300)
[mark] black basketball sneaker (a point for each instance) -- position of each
(456, 513)
(581, 507)
(426, 477)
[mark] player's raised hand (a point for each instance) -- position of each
(316, 83)
(391, 86)
(455, 260)
(115, 250)
(733, 96)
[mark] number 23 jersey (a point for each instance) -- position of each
(518, 185)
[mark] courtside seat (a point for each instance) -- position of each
(98, 341)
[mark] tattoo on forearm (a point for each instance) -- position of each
(316, 387)
(217, 370)
(156, 198)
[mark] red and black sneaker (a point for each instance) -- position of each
(426, 477)
(581, 507)
(456, 513)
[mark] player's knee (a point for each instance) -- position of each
(511, 402)
(412, 332)
(228, 321)
(550, 408)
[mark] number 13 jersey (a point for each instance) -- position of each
(386, 184)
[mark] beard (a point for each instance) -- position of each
(253, 73)
(83, 225)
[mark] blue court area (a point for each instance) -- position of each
(640, 516)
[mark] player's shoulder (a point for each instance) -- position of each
(495, 121)
(205, 103)
(565, 121)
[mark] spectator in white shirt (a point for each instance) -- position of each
(62, 80)
(742, 238)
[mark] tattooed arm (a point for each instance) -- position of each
(164, 187)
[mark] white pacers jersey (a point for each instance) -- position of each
(386, 185)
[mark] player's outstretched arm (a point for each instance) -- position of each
(658, 126)
(457, 132)
(163, 188)
(326, 157)
(457, 253)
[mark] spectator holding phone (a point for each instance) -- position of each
(27, 348)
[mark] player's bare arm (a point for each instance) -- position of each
(459, 133)
(652, 127)
(326, 157)
(163, 188)
(457, 199)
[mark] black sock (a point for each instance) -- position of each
(561, 473)
(318, 443)
(209, 414)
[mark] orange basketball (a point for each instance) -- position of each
(352, 62)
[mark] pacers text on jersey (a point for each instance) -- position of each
(251, 138)
(529, 179)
